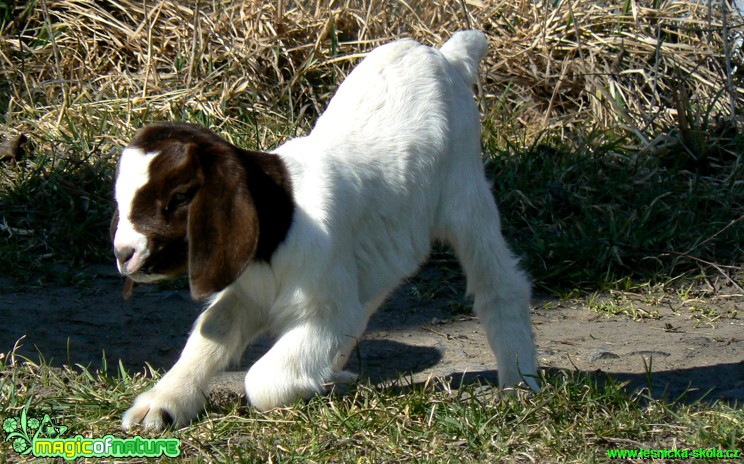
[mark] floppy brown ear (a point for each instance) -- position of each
(242, 211)
(223, 226)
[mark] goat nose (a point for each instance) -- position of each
(123, 253)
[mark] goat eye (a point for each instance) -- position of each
(178, 200)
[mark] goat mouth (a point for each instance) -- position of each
(143, 277)
(133, 264)
(142, 272)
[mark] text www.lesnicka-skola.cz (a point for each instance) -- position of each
(699, 453)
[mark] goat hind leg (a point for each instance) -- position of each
(501, 290)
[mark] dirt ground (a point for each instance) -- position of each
(413, 335)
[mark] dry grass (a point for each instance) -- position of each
(111, 65)
(611, 64)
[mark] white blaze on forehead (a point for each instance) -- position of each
(134, 165)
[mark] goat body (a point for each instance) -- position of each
(305, 243)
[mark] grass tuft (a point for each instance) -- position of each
(591, 212)
(56, 209)
(576, 418)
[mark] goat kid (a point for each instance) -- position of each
(305, 243)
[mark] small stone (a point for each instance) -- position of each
(226, 388)
(598, 354)
(13, 149)
(699, 341)
(650, 353)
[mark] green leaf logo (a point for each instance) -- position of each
(21, 431)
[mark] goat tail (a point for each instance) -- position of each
(464, 50)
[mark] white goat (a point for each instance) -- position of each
(305, 243)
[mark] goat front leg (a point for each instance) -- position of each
(220, 335)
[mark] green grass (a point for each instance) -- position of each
(574, 419)
(593, 214)
(56, 208)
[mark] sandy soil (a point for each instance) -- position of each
(412, 335)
